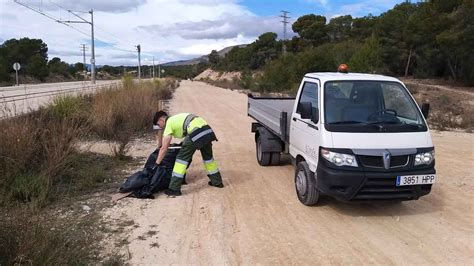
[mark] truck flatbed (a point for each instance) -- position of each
(272, 113)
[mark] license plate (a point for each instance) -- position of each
(410, 180)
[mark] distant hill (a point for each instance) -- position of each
(202, 59)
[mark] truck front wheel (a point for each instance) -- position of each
(305, 185)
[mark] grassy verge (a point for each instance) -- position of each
(43, 173)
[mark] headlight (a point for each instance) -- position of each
(424, 158)
(339, 159)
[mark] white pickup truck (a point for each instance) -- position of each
(354, 137)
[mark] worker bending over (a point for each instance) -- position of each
(197, 135)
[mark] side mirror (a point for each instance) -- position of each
(425, 110)
(305, 110)
(315, 116)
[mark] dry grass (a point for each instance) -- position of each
(39, 164)
(119, 114)
(448, 109)
(226, 84)
(34, 150)
(28, 239)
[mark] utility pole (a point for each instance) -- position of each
(153, 67)
(84, 49)
(67, 23)
(285, 18)
(139, 49)
(92, 38)
(159, 70)
(93, 46)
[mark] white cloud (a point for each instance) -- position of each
(115, 6)
(365, 7)
(122, 24)
(166, 29)
(324, 3)
(227, 27)
(205, 2)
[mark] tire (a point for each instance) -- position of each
(263, 158)
(305, 185)
(275, 158)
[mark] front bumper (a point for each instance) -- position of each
(353, 185)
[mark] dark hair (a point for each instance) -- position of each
(159, 115)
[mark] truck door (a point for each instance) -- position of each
(304, 133)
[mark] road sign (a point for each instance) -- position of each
(16, 66)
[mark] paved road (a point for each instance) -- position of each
(257, 218)
(24, 98)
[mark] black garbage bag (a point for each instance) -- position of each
(152, 178)
(151, 161)
(136, 181)
(161, 177)
(159, 181)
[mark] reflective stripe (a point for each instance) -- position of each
(178, 175)
(179, 168)
(202, 134)
(186, 123)
(211, 167)
(181, 162)
(213, 172)
(209, 161)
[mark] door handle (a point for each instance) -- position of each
(294, 118)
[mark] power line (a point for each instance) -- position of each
(96, 27)
(50, 17)
(67, 22)
(81, 21)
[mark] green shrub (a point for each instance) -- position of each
(127, 81)
(119, 114)
(34, 151)
(70, 106)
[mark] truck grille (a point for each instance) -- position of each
(384, 189)
(377, 161)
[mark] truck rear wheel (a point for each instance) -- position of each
(263, 158)
(275, 158)
(305, 184)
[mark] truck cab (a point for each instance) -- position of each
(354, 137)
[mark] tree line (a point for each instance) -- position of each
(424, 40)
(32, 54)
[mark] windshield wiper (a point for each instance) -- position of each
(417, 126)
(383, 122)
(346, 122)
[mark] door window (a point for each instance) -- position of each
(309, 94)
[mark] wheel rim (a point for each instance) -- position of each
(301, 183)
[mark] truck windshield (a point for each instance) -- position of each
(370, 106)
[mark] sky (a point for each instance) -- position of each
(167, 30)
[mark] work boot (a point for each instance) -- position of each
(173, 193)
(221, 185)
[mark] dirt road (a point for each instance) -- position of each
(257, 217)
